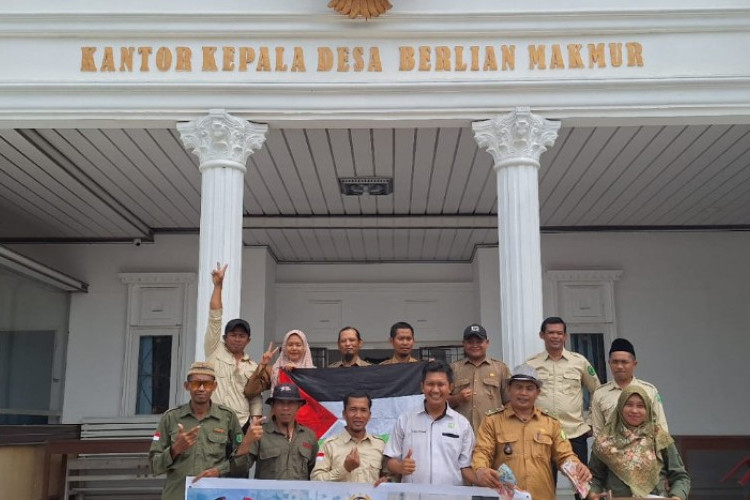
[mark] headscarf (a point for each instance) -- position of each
(283, 359)
(633, 453)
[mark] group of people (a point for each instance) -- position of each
(476, 416)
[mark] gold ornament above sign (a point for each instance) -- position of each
(363, 8)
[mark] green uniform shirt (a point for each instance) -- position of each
(219, 434)
(278, 458)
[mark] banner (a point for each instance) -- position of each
(256, 489)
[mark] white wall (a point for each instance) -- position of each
(438, 300)
(681, 300)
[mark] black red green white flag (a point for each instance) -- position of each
(394, 389)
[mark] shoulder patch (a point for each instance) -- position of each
(592, 372)
(378, 438)
(238, 438)
(493, 411)
(658, 397)
(548, 413)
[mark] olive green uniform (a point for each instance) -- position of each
(219, 434)
(276, 457)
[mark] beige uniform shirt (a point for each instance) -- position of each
(395, 361)
(527, 448)
(562, 388)
(329, 465)
(231, 377)
(604, 403)
(489, 384)
(357, 362)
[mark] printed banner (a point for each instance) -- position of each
(256, 489)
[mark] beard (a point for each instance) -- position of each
(348, 357)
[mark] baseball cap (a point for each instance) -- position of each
(475, 330)
(235, 324)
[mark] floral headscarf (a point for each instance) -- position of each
(283, 359)
(633, 453)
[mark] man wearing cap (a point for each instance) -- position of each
(233, 366)
(287, 450)
(195, 439)
(355, 455)
(622, 362)
(481, 382)
(350, 343)
(564, 375)
(526, 439)
(402, 340)
(432, 444)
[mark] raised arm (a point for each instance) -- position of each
(212, 339)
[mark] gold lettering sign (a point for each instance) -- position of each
(359, 59)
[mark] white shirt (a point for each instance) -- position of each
(440, 448)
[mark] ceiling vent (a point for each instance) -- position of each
(374, 186)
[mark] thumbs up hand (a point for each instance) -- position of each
(408, 465)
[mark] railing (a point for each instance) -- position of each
(708, 459)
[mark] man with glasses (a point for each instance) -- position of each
(195, 439)
(233, 366)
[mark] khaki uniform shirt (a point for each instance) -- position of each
(604, 403)
(357, 362)
(395, 361)
(219, 434)
(489, 384)
(278, 458)
(562, 388)
(230, 376)
(330, 463)
(526, 447)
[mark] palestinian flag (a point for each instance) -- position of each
(394, 389)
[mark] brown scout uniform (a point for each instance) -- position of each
(489, 383)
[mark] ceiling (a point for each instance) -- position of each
(120, 184)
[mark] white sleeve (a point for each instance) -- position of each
(395, 444)
(467, 447)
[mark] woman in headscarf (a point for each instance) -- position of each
(633, 457)
(295, 353)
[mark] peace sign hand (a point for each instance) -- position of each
(217, 275)
(269, 354)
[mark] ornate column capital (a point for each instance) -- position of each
(222, 138)
(519, 137)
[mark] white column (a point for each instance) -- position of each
(223, 143)
(516, 141)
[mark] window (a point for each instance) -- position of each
(319, 356)
(449, 353)
(33, 335)
(154, 368)
(590, 345)
(155, 345)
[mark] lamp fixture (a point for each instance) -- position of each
(374, 186)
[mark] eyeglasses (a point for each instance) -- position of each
(194, 385)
